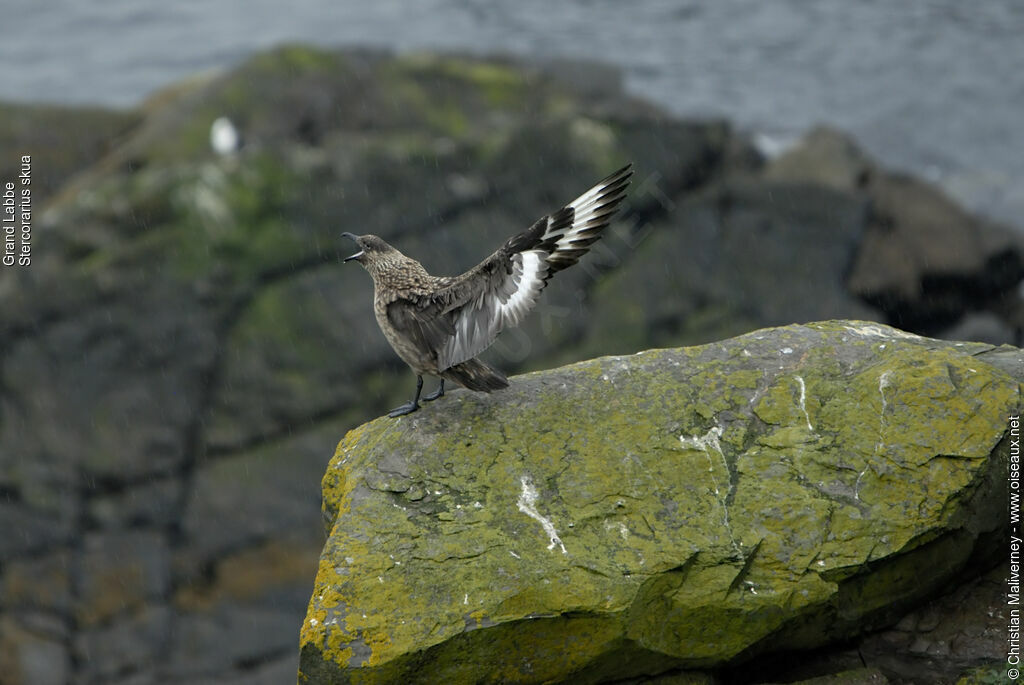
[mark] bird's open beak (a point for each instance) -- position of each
(357, 255)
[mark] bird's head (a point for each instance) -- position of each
(372, 250)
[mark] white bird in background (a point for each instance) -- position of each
(224, 137)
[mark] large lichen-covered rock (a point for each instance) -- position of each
(675, 509)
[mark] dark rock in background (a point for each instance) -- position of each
(62, 141)
(923, 260)
(185, 350)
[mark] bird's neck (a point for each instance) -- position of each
(398, 272)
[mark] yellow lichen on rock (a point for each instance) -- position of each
(679, 507)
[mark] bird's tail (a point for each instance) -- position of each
(476, 375)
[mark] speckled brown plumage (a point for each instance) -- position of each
(439, 324)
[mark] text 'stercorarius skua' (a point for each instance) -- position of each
(439, 324)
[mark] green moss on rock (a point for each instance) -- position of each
(689, 507)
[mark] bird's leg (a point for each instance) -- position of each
(412, 405)
(436, 394)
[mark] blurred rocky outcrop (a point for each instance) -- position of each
(62, 141)
(186, 348)
(923, 261)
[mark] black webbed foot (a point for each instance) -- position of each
(436, 394)
(410, 406)
(407, 408)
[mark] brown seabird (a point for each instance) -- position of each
(439, 324)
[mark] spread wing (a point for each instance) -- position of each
(463, 317)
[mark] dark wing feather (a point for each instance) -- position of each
(422, 321)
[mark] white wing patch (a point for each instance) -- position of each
(528, 271)
(478, 323)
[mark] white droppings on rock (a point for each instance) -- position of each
(619, 526)
(528, 505)
(709, 439)
(708, 443)
(883, 383)
(874, 330)
(803, 402)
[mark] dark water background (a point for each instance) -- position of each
(932, 86)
